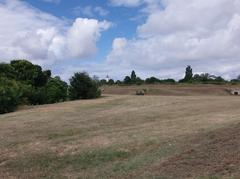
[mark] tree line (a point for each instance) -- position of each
(204, 78)
(23, 83)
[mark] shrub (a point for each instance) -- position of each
(10, 93)
(83, 87)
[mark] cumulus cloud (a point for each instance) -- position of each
(204, 34)
(43, 38)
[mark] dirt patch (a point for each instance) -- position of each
(215, 154)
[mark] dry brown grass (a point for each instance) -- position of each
(173, 90)
(117, 136)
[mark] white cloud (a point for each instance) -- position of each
(204, 34)
(82, 36)
(127, 3)
(43, 38)
(52, 1)
(90, 11)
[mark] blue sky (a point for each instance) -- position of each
(123, 19)
(113, 37)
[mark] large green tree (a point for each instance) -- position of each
(30, 73)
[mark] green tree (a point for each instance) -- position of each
(38, 96)
(133, 77)
(7, 71)
(139, 81)
(111, 82)
(118, 82)
(103, 82)
(127, 80)
(29, 73)
(10, 93)
(152, 80)
(188, 74)
(56, 90)
(83, 87)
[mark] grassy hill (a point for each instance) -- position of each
(124, 136)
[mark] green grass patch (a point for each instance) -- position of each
(51, 164)
(152, 154)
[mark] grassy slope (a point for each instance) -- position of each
(116, 137)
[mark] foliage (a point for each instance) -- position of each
(103, 82)
(83, 87)
(168, 81)
(127, 80)
(118, 82)
(133, 77)
(29, 73)
(7, 71)
(10, 93)
(152, 80)
(139, 81)
(111, 82)
(188, 74)
(56, 90)
(207, 78)
(25, 83)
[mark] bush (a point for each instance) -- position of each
(83, 87)
(10, 93)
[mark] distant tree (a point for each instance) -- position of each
(103, 82)
(127, 80)
(111, 82)
(188, 74)
(83, 87)
(133, 77)
(118, 82)
(139, 81)
(152, 80)
(169, 80)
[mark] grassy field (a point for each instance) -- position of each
(174, 90)
(124, 136)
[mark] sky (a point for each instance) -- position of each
(113, 37)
